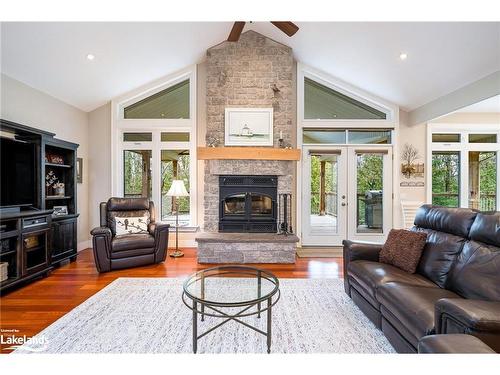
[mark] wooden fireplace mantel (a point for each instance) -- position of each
(247, 153)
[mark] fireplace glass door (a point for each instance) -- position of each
(261, 205)
(235, 205)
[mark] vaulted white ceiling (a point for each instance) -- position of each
(442, 57)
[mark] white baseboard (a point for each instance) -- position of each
(83, 245)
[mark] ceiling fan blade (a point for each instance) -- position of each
(235, 33)
(289, 28)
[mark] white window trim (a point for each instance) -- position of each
(463, 147)
(119, 125)
(392, 122)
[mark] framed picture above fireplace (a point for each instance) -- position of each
(248, 127)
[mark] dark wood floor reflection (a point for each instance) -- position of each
(35, 306)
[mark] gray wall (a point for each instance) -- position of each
(25, 105)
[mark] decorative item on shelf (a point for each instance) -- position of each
(285, 214)
(59, 189)
(79, 170)
(213, 141)
(60, 210)
(4, 273)
(31, 242)
(55, 159)
(281, 141)
(248, 127)
(177, 189)
(50, 180)
(409, 168)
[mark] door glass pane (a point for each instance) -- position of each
(445, 138)
(171, 103)
(482, 138)
(369, 137)
(324, 188)
(137, 173)
(446, 179)
(321, 102)
(483, 180)
(369, 194)
(174, 166)
(234, 204)
(261, 205)
(137, 137)
(324, 136)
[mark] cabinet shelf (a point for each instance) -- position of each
(5, 253)
(56, 197)
(58, 165)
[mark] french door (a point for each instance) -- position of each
(346, 194)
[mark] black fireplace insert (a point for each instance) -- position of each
(248, 204)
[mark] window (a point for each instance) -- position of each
(171, 103)
(174, 137)
(482, 138)
(445, 138)
(369, 137)
(137, 173)
(137, 137)
(446, 179)
(482, 180)
(174, 166)
(319, 136)
(321, 102)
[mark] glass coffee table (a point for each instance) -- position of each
(231, 293)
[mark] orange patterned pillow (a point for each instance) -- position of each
(403, 249)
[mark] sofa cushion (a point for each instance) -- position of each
(132, 242)
(440, 252)
(371, 275)
(132, 253)
(457, 221)
(486, 229)
(403, 249)
(476, 273)
(412, 306)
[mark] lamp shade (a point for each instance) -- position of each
(177, 189)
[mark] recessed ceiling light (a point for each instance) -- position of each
(403, 56)
(90, 57)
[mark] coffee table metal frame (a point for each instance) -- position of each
(264, 303)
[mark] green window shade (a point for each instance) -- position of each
(319, 136)
(482, 138)
(137, 137)
(446, 138)
(175, 137)
(321, 102)
(171, 103)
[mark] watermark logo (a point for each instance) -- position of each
(13, 340)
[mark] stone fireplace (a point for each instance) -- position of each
(255, 72)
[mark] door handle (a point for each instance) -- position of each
(343, 204)
(343, 196)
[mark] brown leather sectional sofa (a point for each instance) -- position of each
(113, 252)
(456, 288)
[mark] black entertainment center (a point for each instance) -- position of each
(38, 211)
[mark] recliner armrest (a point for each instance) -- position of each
(472, 315)
(101, 231)
(361, 251)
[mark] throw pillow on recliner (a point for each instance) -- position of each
(131, 225)
(403, 249)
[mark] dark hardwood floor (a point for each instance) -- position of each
(33, 307)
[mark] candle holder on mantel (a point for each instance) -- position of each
(285, 214)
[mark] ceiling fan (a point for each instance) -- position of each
(289, 28)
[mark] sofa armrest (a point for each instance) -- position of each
(361, 251)
(473, 315)
(453, 344)
(161, 241)
(101, 244)
(358, 251)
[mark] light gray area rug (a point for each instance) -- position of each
(146, 315)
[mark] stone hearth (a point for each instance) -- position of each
(246, 248)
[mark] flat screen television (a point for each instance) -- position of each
(17, 173)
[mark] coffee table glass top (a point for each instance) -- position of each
(231, 285)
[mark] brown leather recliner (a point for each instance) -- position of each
(113, 252)
(456, 288)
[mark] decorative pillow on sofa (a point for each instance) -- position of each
(403, 249)
(131, 225)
